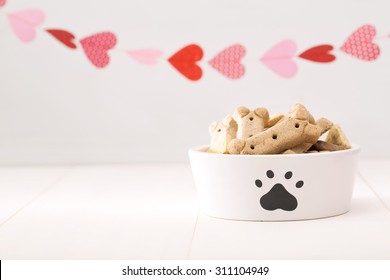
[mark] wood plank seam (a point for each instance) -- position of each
(373, 190)
(49, 186)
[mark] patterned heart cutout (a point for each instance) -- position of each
(360, 44)
(96, 47)
(319, 53)
(24, 23)
(185, 61)
(228, 62)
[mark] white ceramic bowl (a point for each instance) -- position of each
(274, 187)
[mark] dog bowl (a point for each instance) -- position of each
(274, 187)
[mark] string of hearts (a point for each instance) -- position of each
(228, 62)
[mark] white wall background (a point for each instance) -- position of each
(55, 107)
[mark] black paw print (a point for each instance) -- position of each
(278, 197)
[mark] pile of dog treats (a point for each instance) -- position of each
(256, 133)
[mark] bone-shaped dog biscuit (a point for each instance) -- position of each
(321, 146)
(221, 134)
(274, 119)
(250, 122)
(298, 111)
(301, 148)
(324, 124)
(284, 135)
(336, 136)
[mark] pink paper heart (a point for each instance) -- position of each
(24, 23)
(279, 59)
(145, 56)
(359, 44)
(228, 62)
(96, 47)
(2, 3)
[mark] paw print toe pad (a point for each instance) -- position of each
(270, 174)
(299, 184)
(258, 183)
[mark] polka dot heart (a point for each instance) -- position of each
(97, 46)
(360, 44)
(228, 62)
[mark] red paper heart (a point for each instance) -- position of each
(185, 61)
(319, 53)
(63, 36)
(360, 44)
(96, 47)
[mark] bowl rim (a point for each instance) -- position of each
(202, 149)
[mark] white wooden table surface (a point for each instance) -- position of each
(151, 212)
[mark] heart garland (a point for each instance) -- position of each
(228, 62)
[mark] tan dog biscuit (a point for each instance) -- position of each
(325, 146)
(301, 148)
(277, 139)
(336, 136)
(236, 146)
(298, 111)
(289, 152)
(250, 122)
(274, 119)
(324, 124)
(221, 134)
